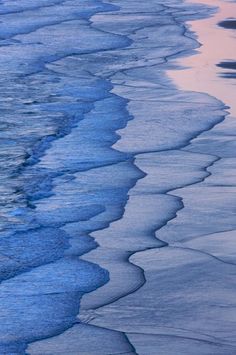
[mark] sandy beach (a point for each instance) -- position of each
(207, 70)
(160, 261)
(117, 177)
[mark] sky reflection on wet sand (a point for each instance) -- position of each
(202, 72)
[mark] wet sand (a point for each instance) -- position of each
(131, 191)
(208, 71)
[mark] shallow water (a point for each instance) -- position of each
(95, 137)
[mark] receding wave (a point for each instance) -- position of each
(91, 129)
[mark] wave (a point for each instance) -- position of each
(92, 127)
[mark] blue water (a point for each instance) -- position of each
(52, 106)
(67, 86)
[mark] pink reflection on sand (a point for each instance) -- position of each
(218, 45)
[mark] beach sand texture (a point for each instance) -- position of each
(117, 177)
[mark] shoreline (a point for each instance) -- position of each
(199, 173)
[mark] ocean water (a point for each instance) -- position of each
(94, 139)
